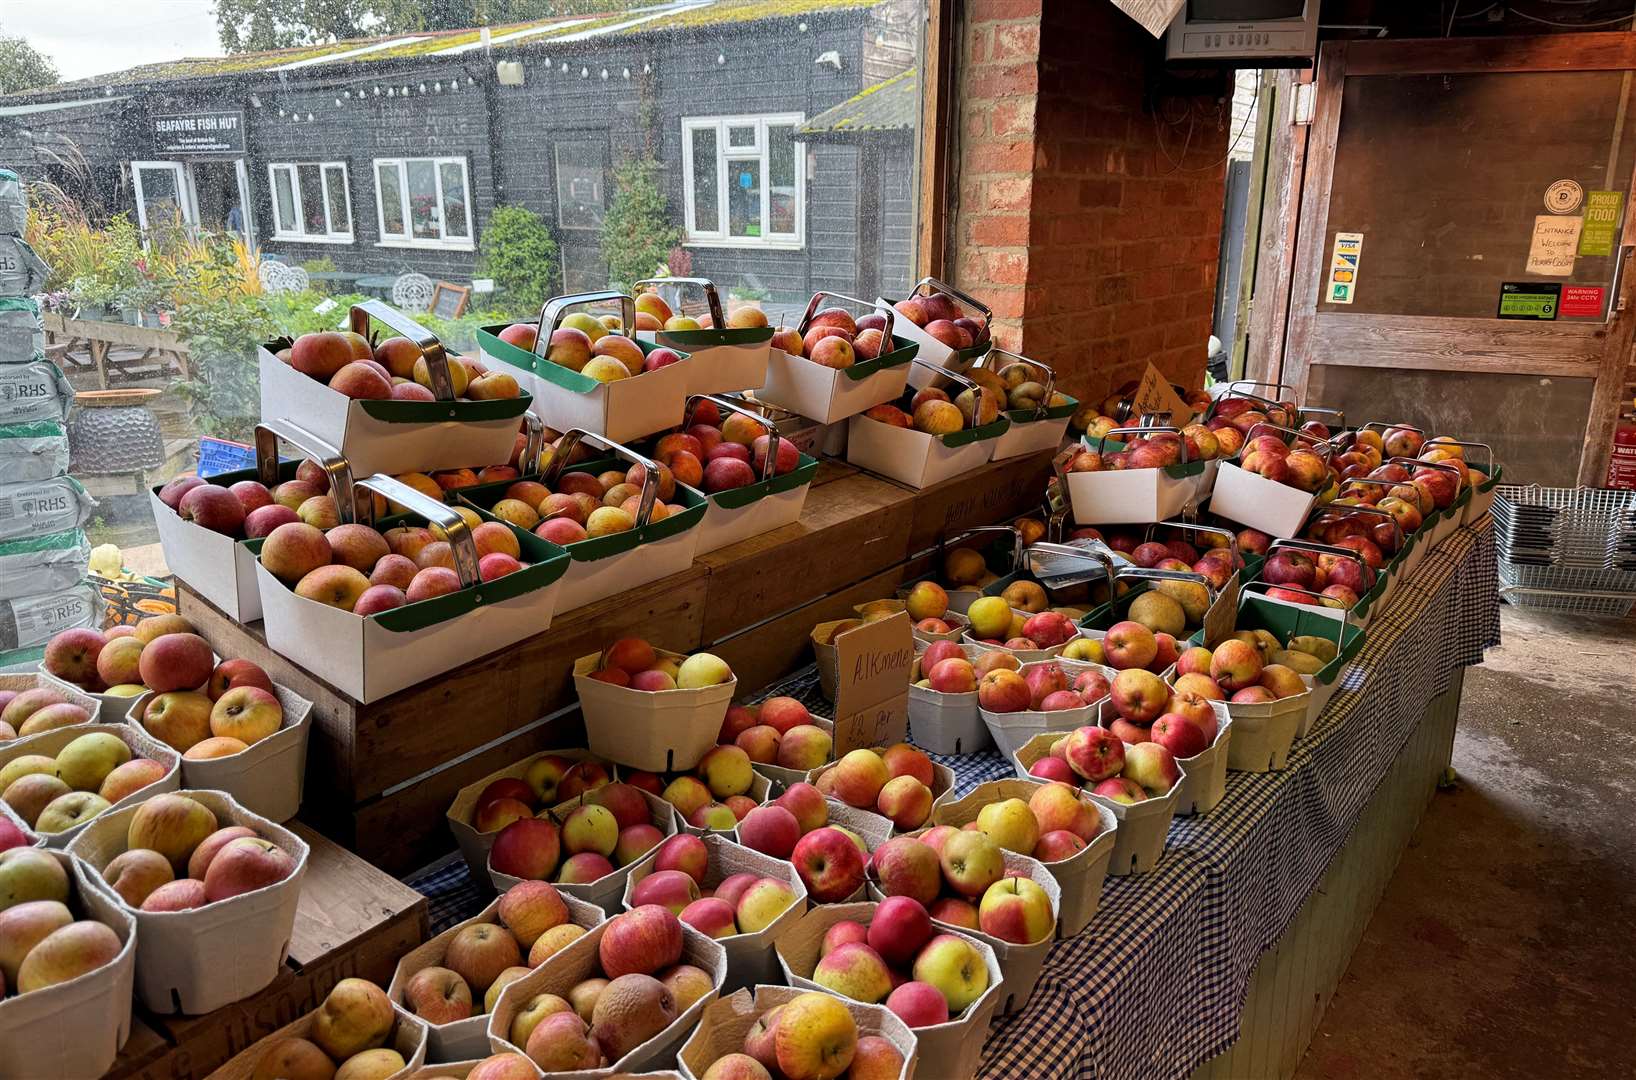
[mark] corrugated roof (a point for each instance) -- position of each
(890, 105)
(681, 15)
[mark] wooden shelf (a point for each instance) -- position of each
(381, 775)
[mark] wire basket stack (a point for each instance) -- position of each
(1567, 549)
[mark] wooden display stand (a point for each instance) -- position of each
(381, 775)
(353, 920)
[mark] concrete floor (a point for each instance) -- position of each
(1505, 945)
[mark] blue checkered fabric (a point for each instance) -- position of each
(1230, 881)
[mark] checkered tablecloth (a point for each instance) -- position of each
(1155, 986)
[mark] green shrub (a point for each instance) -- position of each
(518, 252)
(637, 233)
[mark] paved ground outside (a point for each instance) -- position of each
(1506, 941)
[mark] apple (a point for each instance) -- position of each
(1139, 695)
(438, 996)
(67, 953)
(830, 864)
(918, 1004)
(671, 889)
(761, 904)
(1152, 766)
(1119, 789)
(906, 866)
(1017, 910)
(855, 971)
(1129, 645)
(815, 1037)
(171, 824)
(770, 829)
(528, 848)
(1010, 824)
(710, 916)
(686, 853)
(1235, 665)
(1094, 754)
(953, 966)
(530, 908)
(1180, 735)
(807, 803)
(859, 777)
(640, 941)
(906, 801)
(971, 862)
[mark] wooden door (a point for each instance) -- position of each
(1443, 180)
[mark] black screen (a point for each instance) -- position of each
(1244, 10)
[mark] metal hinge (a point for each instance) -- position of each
(1306, 97)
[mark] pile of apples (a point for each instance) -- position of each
(830, 859)
(1214, 563)
(1339, 581)
(44, 708)
(1154, 451)
(86, 777)
(611, 826)
(1053, 824)
(715, 795)
(641, 989)
(958, 877)
(1249, 668)
(1415, 494)
(849, 340)
(778, 731)
(895, 782)
(928, 606)
(41, 943)
(810, 1037)
(249, 509)
(483, 958)
(654, 314)
(993, 622)
(347, 1039)
(1242, 413)
(739, 904)
(178, 857)
(1299, 467)
(1038, 687)
(549, 780)
(593, 347)
(394, 369)
(200, 708)
(635, 663)
(586, 505)
(933, 412)
(939, 315)
(716, 453)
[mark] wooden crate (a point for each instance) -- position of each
(380, 776)
(353, 920)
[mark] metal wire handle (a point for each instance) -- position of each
(336, 467)
(876, 308)
(712, 298)
(1101, 440)
(1050, 375)
(1209, 530)
(768, 466)
(453, 524)
(554, 309)
(1261, 586)
(431, 349)
(926, 285)
(570, 442)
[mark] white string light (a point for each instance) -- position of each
(721, 58)
(604, 74)
(437, 87)
(585, 73)
(625, 73)
(423, 88)
(309, 118)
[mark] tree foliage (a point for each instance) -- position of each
(253, 25)
(517, 251)
(23, 67)
(637, 230)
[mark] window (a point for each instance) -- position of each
(424, 202)
(311, 202)
(744, 184)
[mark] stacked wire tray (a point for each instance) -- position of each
(1567, 549)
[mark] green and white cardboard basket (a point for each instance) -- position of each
(773, 501)
(936, 352)
(1130, 496)
(602, 566)
(915, 458)
(1037, 429)
(368, 657)
(721, 359)
(623, 410)
(396, 436)
(827, 394)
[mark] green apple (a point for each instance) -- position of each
(86, 762)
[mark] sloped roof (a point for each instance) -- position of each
(890, 105)
(670, 16)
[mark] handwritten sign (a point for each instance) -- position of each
(449, 301)
(1154, 395)
(1555, 244)
(872, 664)
(1221, 617)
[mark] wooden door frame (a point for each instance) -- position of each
(1598, 351)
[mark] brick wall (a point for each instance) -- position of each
(1096, 249)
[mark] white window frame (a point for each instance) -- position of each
(407, 238)
(758, 152)
(330, 235)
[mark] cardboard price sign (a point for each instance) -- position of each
(872, 665)
(1154, 395)
(1221, 617)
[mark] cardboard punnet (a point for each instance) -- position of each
(958, 625)
(268, 777)
(623, 410)
(408, 1038)
(196, 961)
(1026, 656)
(771, 502)
(1273, 507)
(656, 730)
(727, 1020)
(395, 436)
(778, 774)
(73, 1030)
(915, 458)
(1129, 496)
(93, 704)
(474, 845)
(1079, 877)
(369, 657)
(760, 788)
(952, 1049)
(1204, 775)
(946, 723)
(942, 357)
(1035, 429)
(142, 745)
(722, 359)
(865, 672)
(607, 891)
(750, 958)
(829, 395)
(580, 961)
(1143, 828)
(459, 1070)
(469, 1037)
(942, 787)
(1012, 729)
